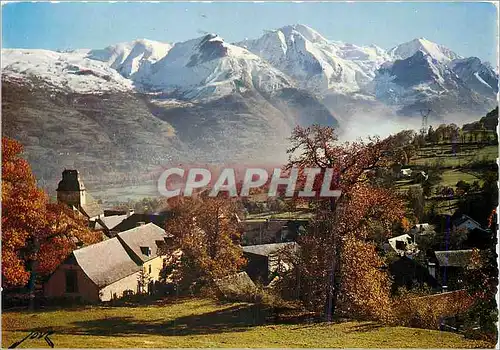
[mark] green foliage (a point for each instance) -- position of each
(479, 206)
(415, 200)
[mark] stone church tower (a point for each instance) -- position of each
(71, 189)
(72, 192)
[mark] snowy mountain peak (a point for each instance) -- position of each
(209, 67)
(436, 51)
(293, 56)
(128, 57)
(307, 32)
(317, 64)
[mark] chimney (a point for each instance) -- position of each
(140, 223)
(130, 212)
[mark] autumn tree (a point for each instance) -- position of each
(345, 222)
(207, 233)
(36, 235)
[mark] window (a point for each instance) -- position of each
(71, 281)
(149, 268)
(146, 251)
(400, 245)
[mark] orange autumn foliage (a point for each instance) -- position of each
(426, 311)
(32, 229)
(205, 230)
(339, 268)
(366, 288)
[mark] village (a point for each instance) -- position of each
(419, 260)
(111, 269)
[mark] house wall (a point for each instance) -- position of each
(156, 266)
(116, 289)
(56, 285)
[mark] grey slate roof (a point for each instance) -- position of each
(454, 258)
(423, 229)
(269, 249)
(105, 262)
(266, 232)
(463, 219)
(110, 222)
(92, 208)
(143, 236)
(131, 222)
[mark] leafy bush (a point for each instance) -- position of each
(416, 309)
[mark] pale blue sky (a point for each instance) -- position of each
(470, 29)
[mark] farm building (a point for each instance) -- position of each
(111, 268)
(451, 265)
(422, 229)
(401, 245)
(272, 231)
(265, 260)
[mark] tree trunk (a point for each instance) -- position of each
(32, 284)
(33, 265)
(332, 286)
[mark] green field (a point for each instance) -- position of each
(206, 323)
(460, 157)
(451, 177)
(444, 156)
(455, 165)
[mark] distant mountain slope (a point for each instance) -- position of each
(116, 135)
(478, 76)
(208, 68)
(489, 122)
(72, 71)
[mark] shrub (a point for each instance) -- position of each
(415, 309)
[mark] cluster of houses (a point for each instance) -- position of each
(132, 249)
(443, 269)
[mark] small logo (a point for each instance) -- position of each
(35, 335)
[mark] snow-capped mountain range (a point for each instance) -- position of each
(292, 56)
(134, 106)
